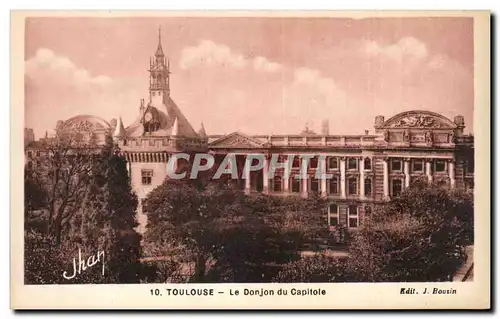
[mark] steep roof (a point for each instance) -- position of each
(168, 114)
(119, 130)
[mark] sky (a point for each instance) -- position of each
(253, 75)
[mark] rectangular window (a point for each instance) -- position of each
(296, 162)
(417, 166)
(151, 142)
(397, 187)
(352, 163)
(333, 163)
(314, 185)
(352, 215)
(147, 176)
(368, 164)
(277, 184)
(333, 215)
(333, 188)
(368, 186)
(313, 163)
(295, 184)
(165, 142)
(439, 165)
(396, 165)
(352, 186)
(138, 142)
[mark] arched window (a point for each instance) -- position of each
(368, 164)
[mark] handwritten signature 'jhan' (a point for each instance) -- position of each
(83, 265)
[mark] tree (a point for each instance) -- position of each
(108, 221)
(59, 178)
(225, 234)
(418, 236)
(318, 268)
(87, 205)
(192, 215)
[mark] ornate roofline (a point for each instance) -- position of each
(421, 119)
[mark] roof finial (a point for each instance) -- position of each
(159, 34)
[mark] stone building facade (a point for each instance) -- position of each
(367, 169)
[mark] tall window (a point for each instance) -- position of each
(333, 186)
(352, 186)
(439, 165)
(333, 215)
(368, 164)
(295, 184)
(313, 162)
(296, 162)
(397, 187)
(277, 184)
(147, 176)
(352, 163)
(368, 186)
(417, 166)
(314, 185)
(352, 215)
(396, 165)
(333, 163)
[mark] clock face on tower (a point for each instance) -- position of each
(148, 116)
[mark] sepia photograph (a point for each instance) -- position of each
(187, 150)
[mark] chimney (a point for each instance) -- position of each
(325, 129)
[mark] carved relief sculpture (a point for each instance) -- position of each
(428, 137)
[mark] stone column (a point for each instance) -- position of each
(362, 178)
(342, 177)
(386, 177)
(428, 172)
(246, 170)
(286, 176)
(407, 172)
(322, 166)
(265, 181)
(451, 172)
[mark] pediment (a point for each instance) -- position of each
(236, 140)
(419, 120)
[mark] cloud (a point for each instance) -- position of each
(46, 66)
(315, 82)
(405, 48)
(209, 53)
(263, 64)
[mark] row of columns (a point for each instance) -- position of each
(323, 185)
(406, 170)
(304, 185)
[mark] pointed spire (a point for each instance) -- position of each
(159, 50)
(175, 128)
(202, 132)
(119, 130)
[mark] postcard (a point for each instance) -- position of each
(250, 160)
